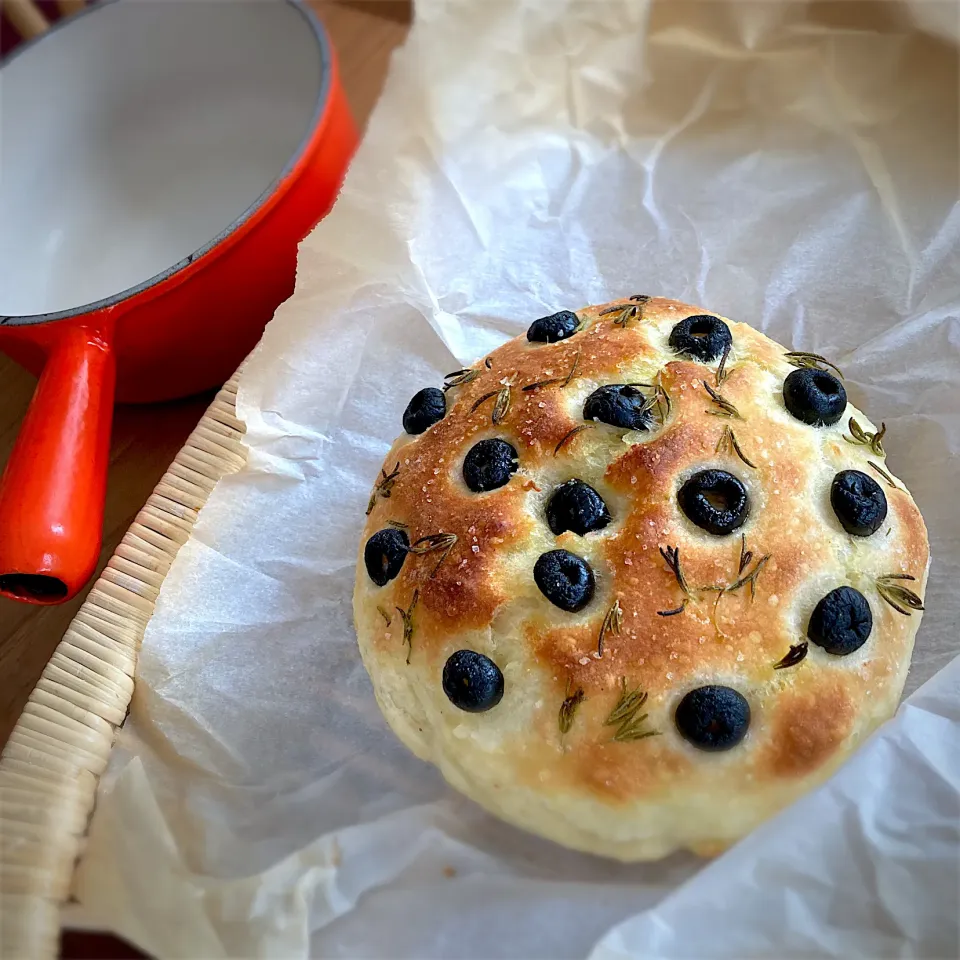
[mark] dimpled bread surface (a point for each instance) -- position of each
(584, 747)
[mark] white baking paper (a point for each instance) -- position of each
(789, 165)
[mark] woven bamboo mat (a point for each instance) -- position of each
(59, 747)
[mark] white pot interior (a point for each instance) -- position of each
(134, 135)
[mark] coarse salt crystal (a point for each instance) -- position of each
(584, 661)
(475, 548)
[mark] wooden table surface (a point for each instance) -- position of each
(146, 439)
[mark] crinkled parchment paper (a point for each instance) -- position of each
(789, 165)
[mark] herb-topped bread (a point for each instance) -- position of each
(637, 579)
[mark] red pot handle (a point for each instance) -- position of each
(52, 491)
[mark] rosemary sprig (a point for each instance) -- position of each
(639, 298)
(798, 358)
(407, 617)
(629, 702)
(728, 444)
(568, 709)
(662, 398)
(625, 312)
(459, 377)
(867, 439)
(793, 656)
(633, 730)
(500, 406)
(483, 399)
(573, 370)
(611, 624)
(722, 373)
(883, 473)
(435, 541)
(745, 555)
(383, 487)
(676, 610)
(749, 578)
(727, 409)
(659, 398)
(383, 613)
(898, 596)
(563, 381)
(626, 715)
(672, 557)
(569, 436)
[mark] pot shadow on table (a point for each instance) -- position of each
(79, 945)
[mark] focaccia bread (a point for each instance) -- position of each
(637, 579)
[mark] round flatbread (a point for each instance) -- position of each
(638, 578)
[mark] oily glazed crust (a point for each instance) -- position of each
(644, 798)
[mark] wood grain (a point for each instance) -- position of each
(146, 439)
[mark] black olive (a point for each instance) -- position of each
(565, 579)
(620, 405)
(384, 554)
(428, 406)
(576, 506)
(841, 621)
(472, 682)
(558, 326)
(858, 502)
(489, 464)
(715, 500)
(701, 337)
(814, 396)
(713, 717)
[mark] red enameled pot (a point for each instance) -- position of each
(160, 164)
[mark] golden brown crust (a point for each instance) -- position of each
(480, 594)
